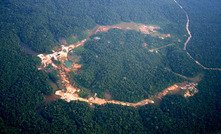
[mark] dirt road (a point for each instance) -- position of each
(69, 92)
(188, 39)
(187, 89)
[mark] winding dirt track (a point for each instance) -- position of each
(69, 95)
(188, 39)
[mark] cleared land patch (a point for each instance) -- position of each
(99, 63)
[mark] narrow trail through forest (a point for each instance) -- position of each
(188, 39)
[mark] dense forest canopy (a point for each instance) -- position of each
(206, 30)
(41, 24)
(120, 64)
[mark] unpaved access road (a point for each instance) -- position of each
(188, 39)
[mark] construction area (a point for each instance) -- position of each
(145, 29)
(188, 88)
(69, 92)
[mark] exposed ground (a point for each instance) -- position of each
(69, 92)
(145, 29)
(187, 89)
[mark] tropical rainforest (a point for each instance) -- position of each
(120, 64)
(41, 24)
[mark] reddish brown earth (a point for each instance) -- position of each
(145, 45)
(76, 66)
(186, 88)
(121, 43)
(62, 41)
(71, 91)
(106, 28)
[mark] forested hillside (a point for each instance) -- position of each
(206, 30)
(120, 64)
(41, 24)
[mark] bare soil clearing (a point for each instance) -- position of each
(69, 92)
(145, 29)
(188, 89)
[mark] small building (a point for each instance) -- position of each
(97, 38)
